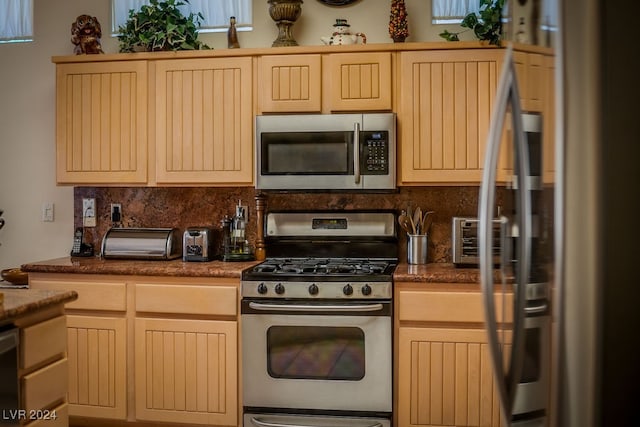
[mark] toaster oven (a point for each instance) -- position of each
(465, 240)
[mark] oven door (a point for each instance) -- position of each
(318, 356)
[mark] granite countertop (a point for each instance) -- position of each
(21, 302)
(178, 268)
(431, 273)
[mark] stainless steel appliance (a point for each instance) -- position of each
(141, 243)
(198, 244)
(326, 152)
(464, 240)
(9, 387)
(317, 321)
(526, 262)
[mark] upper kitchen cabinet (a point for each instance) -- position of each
(290, 83)
(446, 97)
(204, 121)
(335, 82)
(101, 123)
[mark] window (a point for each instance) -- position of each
(16, 21)
(216, 13)
(452, 11)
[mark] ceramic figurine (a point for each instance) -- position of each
(342, 35)
(85, 34)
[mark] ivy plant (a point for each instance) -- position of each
(486, 25)
(160, 26)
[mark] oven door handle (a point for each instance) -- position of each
(300, 307)
(260, 423)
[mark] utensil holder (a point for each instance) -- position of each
(417, 248)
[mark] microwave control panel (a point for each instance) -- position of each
(375, 155)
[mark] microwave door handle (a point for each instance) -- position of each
(260, 423)
(356, 152)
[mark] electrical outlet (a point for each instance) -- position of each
(89, 212)
(47, 212)
(116, 212)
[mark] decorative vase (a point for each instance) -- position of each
(398, 39)
(285, 13)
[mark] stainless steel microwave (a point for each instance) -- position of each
(326, 152)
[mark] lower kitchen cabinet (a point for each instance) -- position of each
(444, 375)
(42, 369)
(96, 344)
(186, 371)
(142, 350)
(445, 378)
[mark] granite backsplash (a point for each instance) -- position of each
(199, 206)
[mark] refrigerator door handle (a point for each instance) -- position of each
(507, 92)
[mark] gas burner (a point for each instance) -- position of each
(322, 266)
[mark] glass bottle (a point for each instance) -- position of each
(232, 34)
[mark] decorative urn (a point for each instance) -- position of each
(342, 35)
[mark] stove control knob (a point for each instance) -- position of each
(348, 289)
(279, 289)
(366, 290)
(262, 289)
(313, 289)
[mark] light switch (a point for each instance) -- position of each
(47, 212)
(89, 212)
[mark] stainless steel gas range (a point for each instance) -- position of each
(317, 321)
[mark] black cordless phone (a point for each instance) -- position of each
(80, 248)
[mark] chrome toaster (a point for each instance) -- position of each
(197, 244)
(464, 235)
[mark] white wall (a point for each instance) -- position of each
(27, 105)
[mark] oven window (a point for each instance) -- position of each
(315, 353)
(306, 153)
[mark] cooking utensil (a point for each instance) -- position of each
(427, 219)
(405, 222)
(417, 220)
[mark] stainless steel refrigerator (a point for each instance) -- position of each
(574, 233)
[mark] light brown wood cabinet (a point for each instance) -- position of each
(335, 82)
(186, 369)
(42, 368)
(443, 371)
(96, 338)
(446, 98)
(101, 122)
(150, 349)
(204, 121)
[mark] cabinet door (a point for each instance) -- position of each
(186, 371)
(530, 74)
(289, 83)
(446, 99)
(357, 81)
(101, 124)
(204, 121)
(97, 366)
(445, 378)
(548, 123)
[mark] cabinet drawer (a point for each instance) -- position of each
(45, 386)
(56, 417)
(43, 341)
(431, 306)
(91, 295)
(187, 299)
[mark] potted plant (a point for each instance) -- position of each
(160, 26)
(487, 25)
